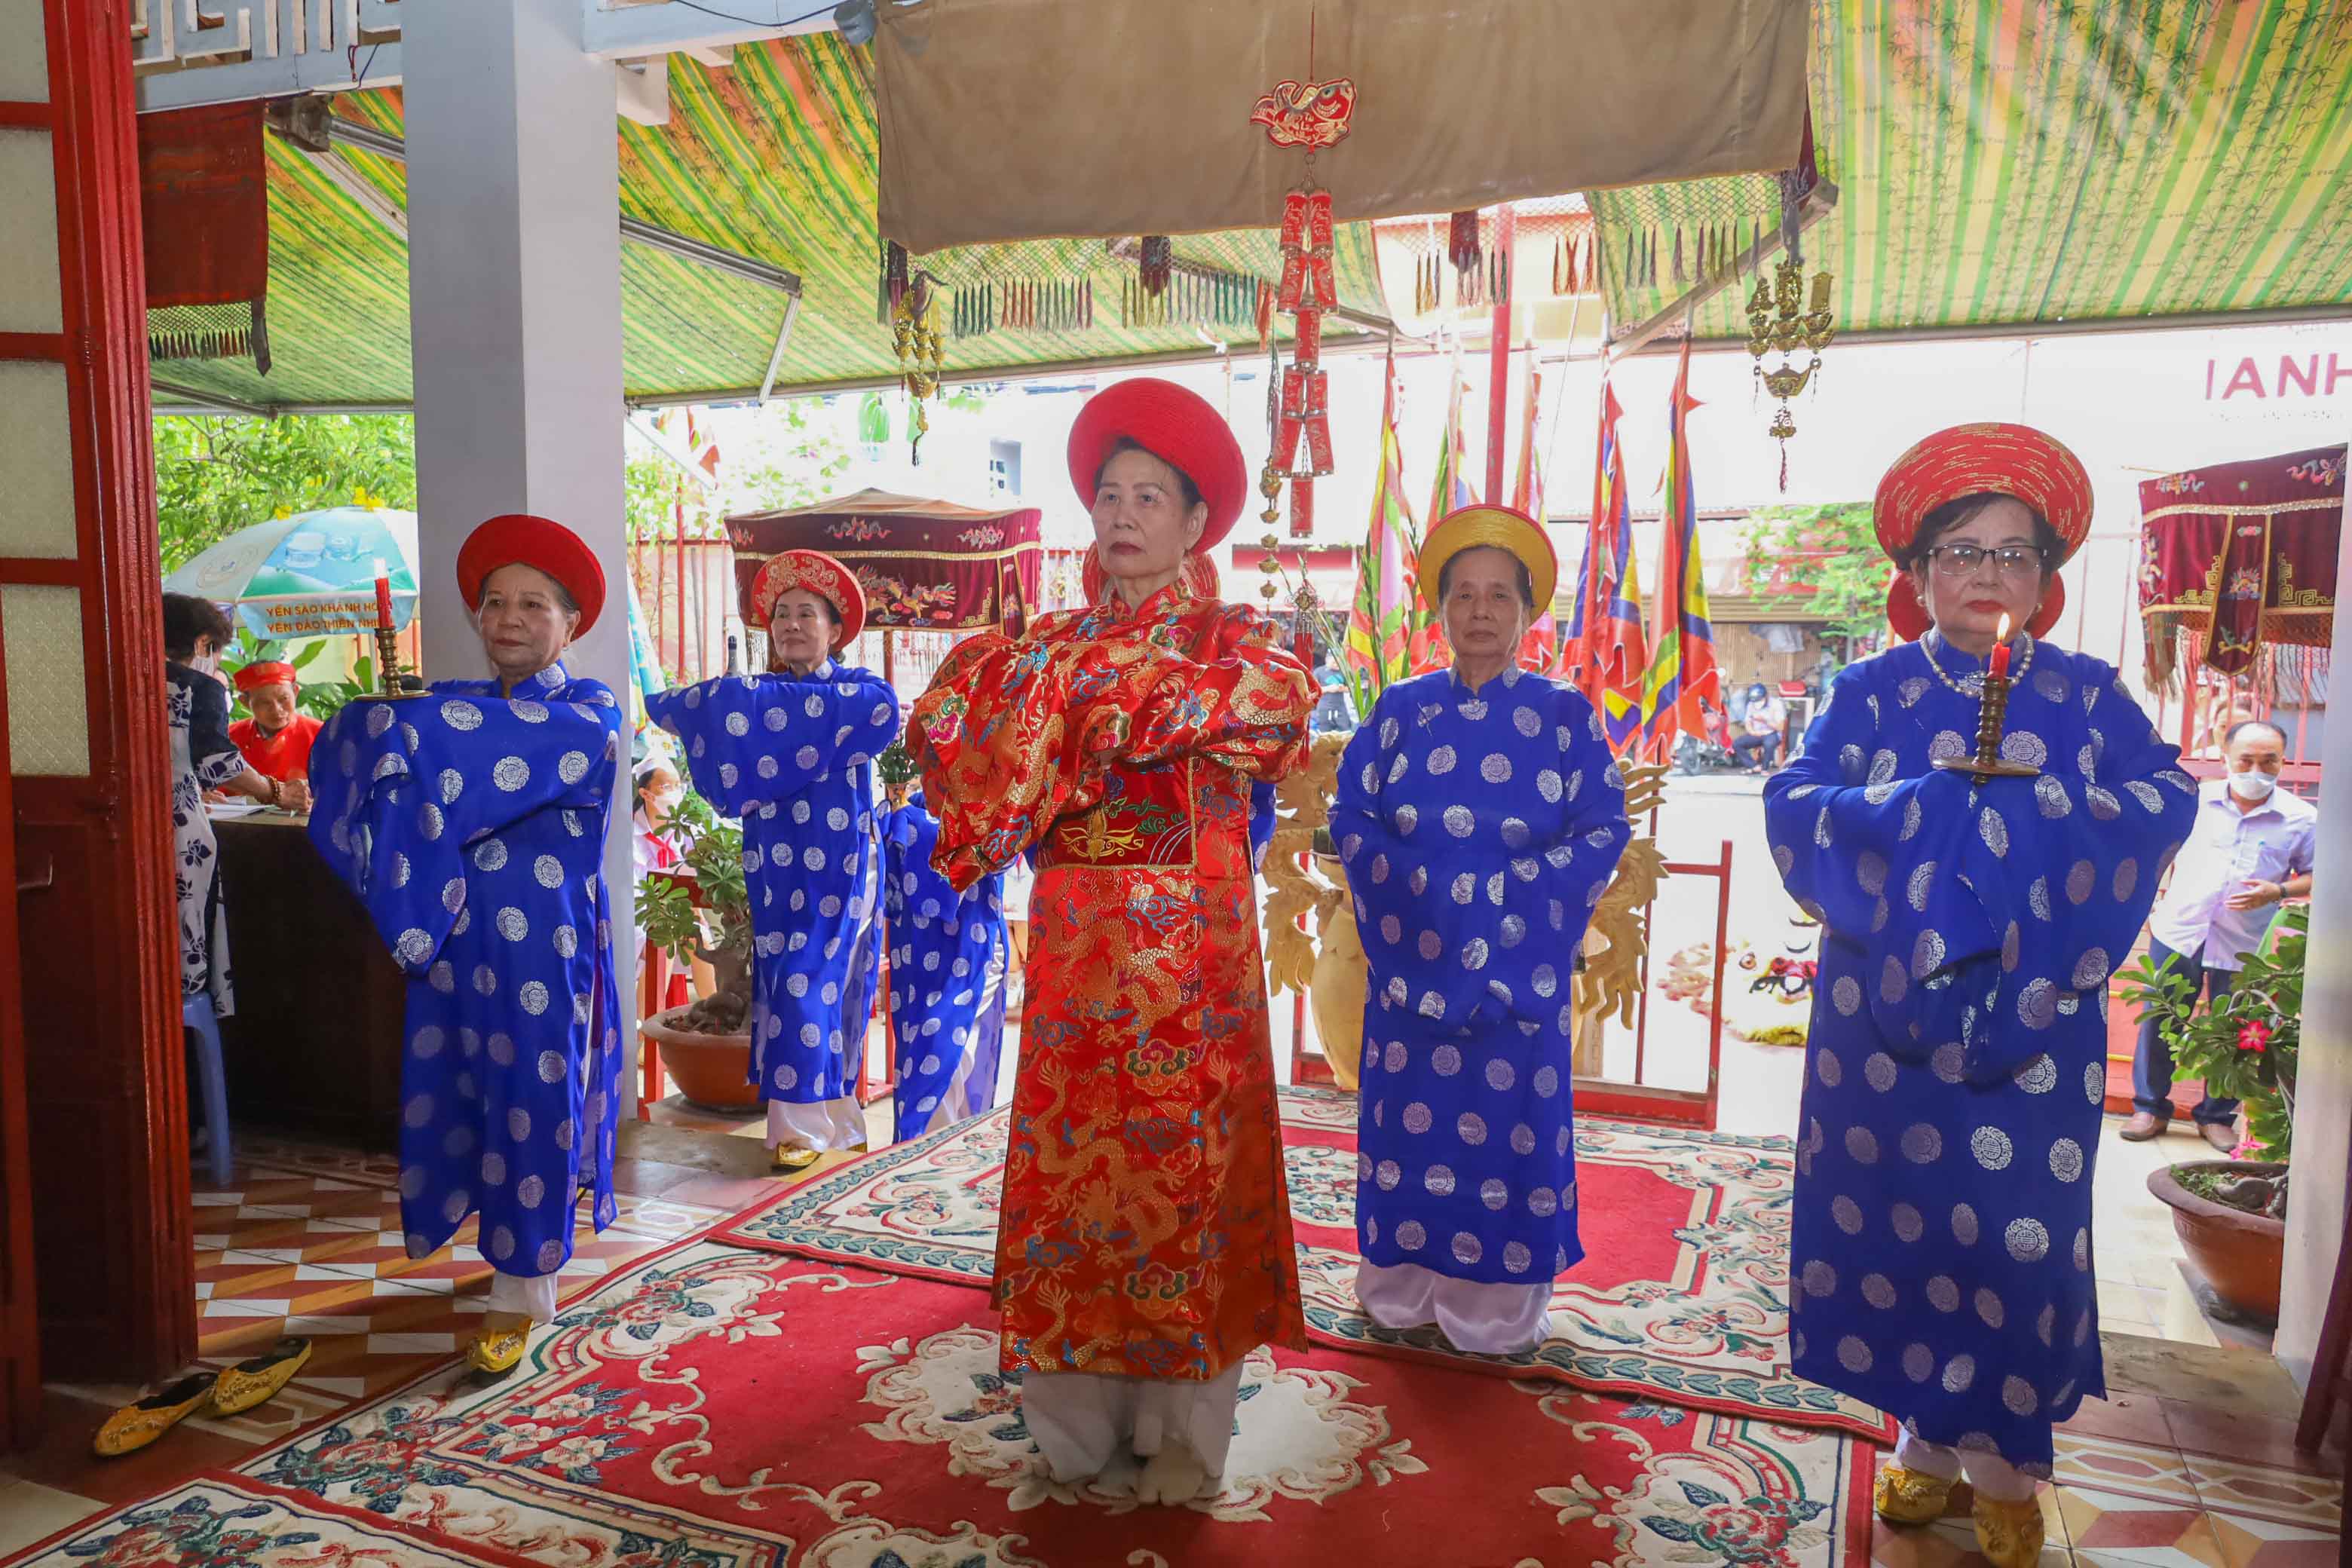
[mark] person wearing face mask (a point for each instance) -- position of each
(1940, 1260)
(2251, 846)
(1480, 815)
(1761, 723)
(471, 821)
(1144, 1249)
(791, 752)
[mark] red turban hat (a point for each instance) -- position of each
(819, 573)
(1177, 426)
(519, 538)
(2013, 461)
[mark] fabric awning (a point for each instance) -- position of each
(1014, 119)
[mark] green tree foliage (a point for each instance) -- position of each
(1831, 550)
(216, 474)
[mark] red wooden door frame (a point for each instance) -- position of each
(101, 1124)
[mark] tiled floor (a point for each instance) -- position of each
(307, 1241)
(2153, 1481)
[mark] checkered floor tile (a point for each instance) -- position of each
(308, 1241)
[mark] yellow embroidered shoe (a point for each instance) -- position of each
(793, 1157)
(497, 1349)
(1909, 1497)
(257, 1381)
(134, 1426)
(2009, 1533)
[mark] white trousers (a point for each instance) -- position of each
(1992, 1475)
(1480, 1318)
(1081, 1420)
(819, 1124)
(529, 1296)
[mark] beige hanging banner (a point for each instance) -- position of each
(1010, 120)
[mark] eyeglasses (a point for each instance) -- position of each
(1962, 560)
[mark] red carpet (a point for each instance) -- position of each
(713, 1408)
(1681, 1295)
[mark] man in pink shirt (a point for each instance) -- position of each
(2251, 846)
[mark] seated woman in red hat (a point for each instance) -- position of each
(1941, 1251)
(471, 821)
(1480, 815)
(277, 740)
(792, 754)
(1144, 1248)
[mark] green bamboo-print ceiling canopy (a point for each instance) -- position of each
(1998, 163)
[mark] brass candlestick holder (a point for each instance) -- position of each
(1988, 763)
(392, 685)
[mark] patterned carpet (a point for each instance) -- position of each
(714, 1407)
(1682, 1296)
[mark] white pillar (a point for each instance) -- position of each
(2323, 1110)
(514, 292)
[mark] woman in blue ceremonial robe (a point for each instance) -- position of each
(947, 961)
(1480, 816)
(470, 821)
(1942, 1254)
(791, 752)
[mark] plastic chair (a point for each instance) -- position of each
(197, 1016)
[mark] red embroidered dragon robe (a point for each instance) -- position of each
(1145, 1229)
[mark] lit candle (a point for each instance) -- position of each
(382, 598)
(2001, 651)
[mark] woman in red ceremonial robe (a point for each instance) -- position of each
(1144, 1248)
(277, 740)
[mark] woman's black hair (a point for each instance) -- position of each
(186, 619)
(1956, 512)
(1129, 444)
(562, 594)
(1519, 569)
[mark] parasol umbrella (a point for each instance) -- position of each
(311, 574)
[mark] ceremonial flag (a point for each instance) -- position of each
(1536, 650)
(1681, 674)
(1387, 612)
(1450, 492)
(1606, 646)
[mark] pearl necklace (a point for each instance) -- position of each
(1972, 684)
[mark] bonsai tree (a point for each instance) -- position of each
(896, 769)
(2243, 1046)
(701, 909)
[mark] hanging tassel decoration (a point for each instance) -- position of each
(1159, 259)
(894, 271)
(1682, 278)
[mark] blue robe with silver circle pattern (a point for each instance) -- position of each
(472, 828)
(1942, 1264)
(792, 756)
(1479, 829)
(946, 979)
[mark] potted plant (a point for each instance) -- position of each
(701, 909)
(2231, 1214)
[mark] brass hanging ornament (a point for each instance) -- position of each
(1778, 323)
(922, 355)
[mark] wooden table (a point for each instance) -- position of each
(314, 1047)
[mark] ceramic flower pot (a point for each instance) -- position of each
(2241, 1254)
(712, 1071)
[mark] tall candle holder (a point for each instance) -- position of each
(391, 683)
(1993, 715)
